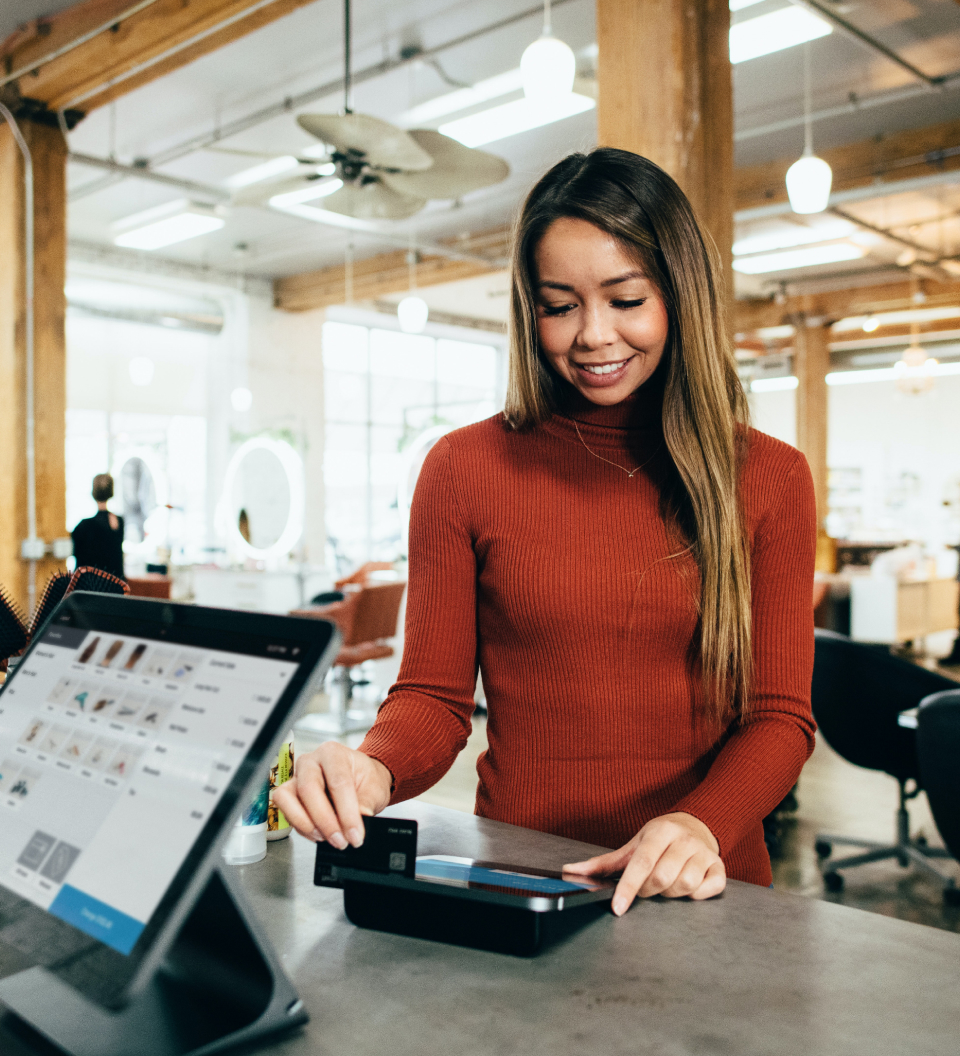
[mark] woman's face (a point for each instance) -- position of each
(602, 323)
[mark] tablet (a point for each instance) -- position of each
(131, 733)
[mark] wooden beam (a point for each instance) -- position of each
(811, 364)
(665, 91)
(116, 62)
(49, 164)
(386, 273)
(839, 304)
(895, 155)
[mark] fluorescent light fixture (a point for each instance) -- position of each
(462, 99)
(785, 236)
(776, 31)
(909, 315)
(806, 257)
(774, 384)
(319, 189)
(509, 119)
(273, 167)
(165, 225)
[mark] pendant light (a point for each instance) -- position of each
(915, 369)
(548, 66)
(808, 179)
(413, 311)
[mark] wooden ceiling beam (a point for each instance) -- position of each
(156, 41)
(897, 156)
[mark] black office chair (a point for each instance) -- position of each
(938, 750)
(859, 692)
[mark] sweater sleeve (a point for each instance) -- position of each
(763, 755)
(425, 721)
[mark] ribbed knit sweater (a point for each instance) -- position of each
(551, 569)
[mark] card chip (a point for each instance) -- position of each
(398, 862)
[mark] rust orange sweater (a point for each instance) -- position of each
(550, 569)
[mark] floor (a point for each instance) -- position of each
(834, 797)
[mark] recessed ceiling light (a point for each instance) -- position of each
(805, 257)
(509, 119)
(462, 98)
(785, 236)
(776, 31)
(263, 171)
(165, 225)
(320, 189)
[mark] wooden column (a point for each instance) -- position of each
(49, 168)
(665, 91)
(811, 361)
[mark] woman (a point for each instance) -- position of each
(629, 564)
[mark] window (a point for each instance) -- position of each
(382, 390)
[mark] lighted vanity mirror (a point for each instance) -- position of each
(263, 499)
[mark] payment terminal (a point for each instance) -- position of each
(131, 734)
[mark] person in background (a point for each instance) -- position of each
(98, 540)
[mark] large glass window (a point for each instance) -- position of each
(383, 389)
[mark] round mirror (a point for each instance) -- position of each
(263, 500)
(139, 496)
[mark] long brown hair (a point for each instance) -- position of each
(704, 407)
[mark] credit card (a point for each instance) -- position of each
(389, 846)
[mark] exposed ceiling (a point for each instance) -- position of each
(195, 124)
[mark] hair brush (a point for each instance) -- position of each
(51, 597)
(96, 580)
(13, 632)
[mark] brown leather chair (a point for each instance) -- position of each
(360, 577)
(366, 617)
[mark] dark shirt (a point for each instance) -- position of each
(97, 545)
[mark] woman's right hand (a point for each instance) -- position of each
(332, 788)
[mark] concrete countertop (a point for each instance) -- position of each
(752, 973)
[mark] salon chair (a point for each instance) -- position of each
(367, 616)
(362, 577)
(859, 691)
(938, 750)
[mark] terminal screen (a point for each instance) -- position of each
(463, 874)
(114, 751)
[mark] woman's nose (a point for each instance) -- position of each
(598, 329)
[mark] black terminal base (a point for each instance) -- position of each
(480, 925)
(221, 985)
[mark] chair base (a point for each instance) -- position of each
(906, 851)
(342, 718)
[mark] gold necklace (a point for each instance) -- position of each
(631, 473)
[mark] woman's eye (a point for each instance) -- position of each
(629, 304)
(556, 309)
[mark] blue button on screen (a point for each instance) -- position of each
(97, 919)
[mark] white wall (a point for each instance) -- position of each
(893, 456)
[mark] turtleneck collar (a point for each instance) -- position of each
(627, 424)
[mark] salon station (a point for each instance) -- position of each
(257, 274)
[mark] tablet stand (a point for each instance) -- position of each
(220, 985)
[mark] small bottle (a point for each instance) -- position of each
(247, 842)
(278, 828)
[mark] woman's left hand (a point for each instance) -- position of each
(674, 855)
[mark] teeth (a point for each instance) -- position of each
(608, 368)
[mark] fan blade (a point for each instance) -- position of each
(373, 201)
(379, 142)
(260, 193)
(456, 169)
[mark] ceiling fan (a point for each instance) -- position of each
(384, 172)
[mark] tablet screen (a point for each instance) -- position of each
(114, 752)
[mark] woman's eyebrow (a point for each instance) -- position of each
(623, 278)
(554, 286)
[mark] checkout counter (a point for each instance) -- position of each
(752, 973)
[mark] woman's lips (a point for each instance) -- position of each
(606, 379)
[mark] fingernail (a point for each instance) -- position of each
(338, 841)
(316, 836)
(355, 836)
(619, 906)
